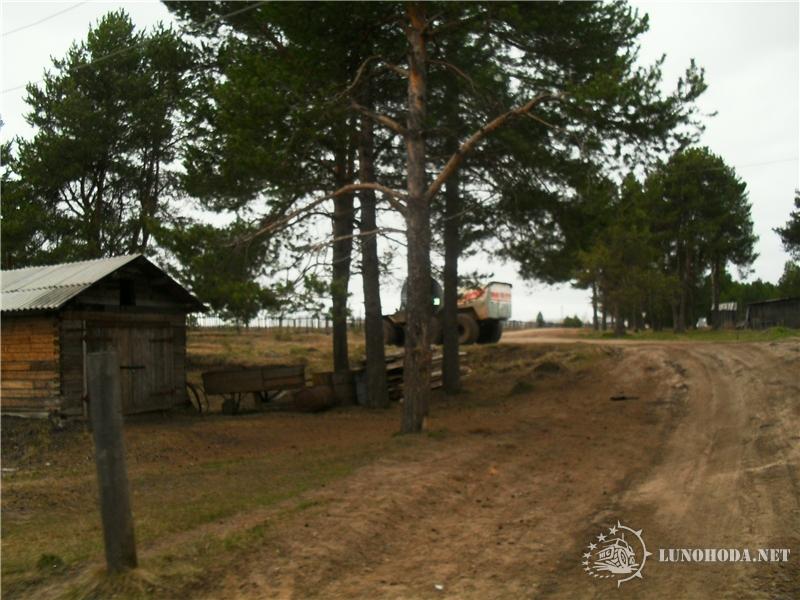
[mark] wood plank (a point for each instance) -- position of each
(29, 365)
(47, 385)
(16, 393)
(253, 379)
(26, 337)
(12, 324)
(22, 384)
(29, 375)
(225, 382)
(40, 403)
(30, 356)
(11, 350)
(24, 334)
(16, 384)
(29, 340)
(122, 318)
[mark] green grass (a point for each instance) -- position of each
(707, 335)
(164, 504)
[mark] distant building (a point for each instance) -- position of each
(780, 312)
(53, 316)
(728, 315)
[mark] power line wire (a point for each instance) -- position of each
(144, 42)
(735, 167)
(768, 162)
(42, 20)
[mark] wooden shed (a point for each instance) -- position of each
(780, 312)
(53, 316)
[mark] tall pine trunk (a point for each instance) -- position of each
(342, 224)
(377, 392)
(451, 375)
(595, 321)
(417, 366)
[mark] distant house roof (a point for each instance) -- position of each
(51, 287)
(770, 301)
(726, 306)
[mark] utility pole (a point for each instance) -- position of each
(105, 409)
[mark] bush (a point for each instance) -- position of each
(573, 322)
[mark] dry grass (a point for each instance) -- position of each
(207, 488)
(208, 348)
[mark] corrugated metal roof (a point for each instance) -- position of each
(45, 299)
(730, 306)
(49, 287)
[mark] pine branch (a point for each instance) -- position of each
(379, 118)
(395, 198)
(467, 146)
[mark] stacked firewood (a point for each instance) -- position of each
(394, 375)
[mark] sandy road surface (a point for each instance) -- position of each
(704, 454)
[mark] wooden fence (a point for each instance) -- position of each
(302, 323)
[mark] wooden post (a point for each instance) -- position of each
(105, 408)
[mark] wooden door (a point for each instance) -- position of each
(153, 387)
(146, 361)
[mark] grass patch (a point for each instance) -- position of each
(50, 562)
(58, 536)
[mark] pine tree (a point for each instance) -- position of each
(106, 122)
(701, 212)
(790, 233)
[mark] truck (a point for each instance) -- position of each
(481, 313)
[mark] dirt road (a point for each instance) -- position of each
(703, 453)
(500, 498)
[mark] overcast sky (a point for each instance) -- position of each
(750, 52)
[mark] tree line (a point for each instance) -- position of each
(526, 131)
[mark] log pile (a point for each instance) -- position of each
(394, 375)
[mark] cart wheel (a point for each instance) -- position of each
(196, 398)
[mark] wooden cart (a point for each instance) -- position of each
(262, 382)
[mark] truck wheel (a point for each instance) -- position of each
(468, 330)
(491, 331)
(486, 331)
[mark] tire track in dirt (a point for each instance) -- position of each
(482, 515)
(728, 478)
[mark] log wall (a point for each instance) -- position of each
(137, 309)
(29, 349)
